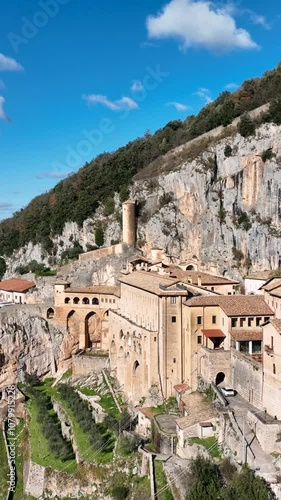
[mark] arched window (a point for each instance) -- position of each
(190, 268)
(76, 300)
(85, 300)
(121, 335)
(67, 300)
(95, 301)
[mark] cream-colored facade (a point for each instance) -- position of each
(271, 291)
(146, 335)
(272, 367)
(215, 325)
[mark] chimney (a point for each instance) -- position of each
(199, 281)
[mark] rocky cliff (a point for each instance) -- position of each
(29, 343)
(220, 206)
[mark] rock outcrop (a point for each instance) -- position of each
(29, 343)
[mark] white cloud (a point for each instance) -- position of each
(179, 106)
(137, 86)
(200, 24)
(232, 86)
(147, 45)
(3, 115)
(9, 64)
(204, 94)
(123, 103)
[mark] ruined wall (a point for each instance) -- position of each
(85, 365)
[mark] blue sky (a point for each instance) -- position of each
(81, 77)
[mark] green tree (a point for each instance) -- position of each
(3, 267)
(228, 151)
(246, 125)
(99, 236)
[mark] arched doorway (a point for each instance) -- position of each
(136, 382)
(73, 325)
(50, 313)
(220, 378)
(93, 330)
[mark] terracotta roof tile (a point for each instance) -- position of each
(277, 324)
(206, 278)
(271, 284)
(181, 388)
(234, 305)
(154, 283)
(247, 334)
(16, 285)
(211, 333)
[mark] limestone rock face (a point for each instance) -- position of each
(220, 203)
(29, 343)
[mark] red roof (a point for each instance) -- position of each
(213, 333)
(16, 285)
(181, 387)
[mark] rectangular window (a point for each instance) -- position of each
(199, 320)
(113, 300)
(258, 321)
(214, 320)
(242, 321)
(222, 321)
(274, 368)
(266, 319)
(155, 338)
(173, 300)
(174, 360)
(250, 321)
(106, 300)
(110, 301)
(174, 319)
(102, 300)
(199, 339)
(234, 322)
(271, 343)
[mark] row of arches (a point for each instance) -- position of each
(85, 301)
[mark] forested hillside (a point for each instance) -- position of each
(77, 197)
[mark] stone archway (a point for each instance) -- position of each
(190, 267)
(136, 382)
(220, 378)
(73, 326)
(93, 330)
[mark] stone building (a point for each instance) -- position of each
(85, 311)
(271, 291)
(213, 326)
(14, 290)
(272, 367)
(146, 334)
(211, 282)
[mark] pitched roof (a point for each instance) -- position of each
(206, 278)
(271, 284)
(154, 283)
(211, 333)
(276, 292)
(258, 275)
(234, 305)
(199, 410)
(238, 334)
(277, 324)
(95, 289)
(16, 285)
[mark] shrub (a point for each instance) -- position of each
(221, 215)
(228, 151)
(267, 155)
(109, 206)
(244, 221)
(237, 254)
(119, 492)
(3, 267)
(99, 236)
(246, 125)
(165, 199)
